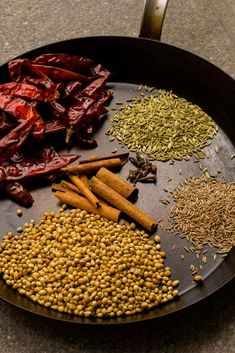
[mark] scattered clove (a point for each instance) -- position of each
(135, 162)
(150, 179)
(144, 168)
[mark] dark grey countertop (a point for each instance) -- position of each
(204, 27)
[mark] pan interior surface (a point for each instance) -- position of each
(134, 62)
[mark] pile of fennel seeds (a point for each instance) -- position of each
(163, 126)
(205, 213)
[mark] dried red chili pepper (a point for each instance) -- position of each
(46, 152)
(18, 156)
(89, 119)
(75, 112)
(39, 82)
(19, 194)
(92, 116)
(94, 89)
(78, 109)
(34, 167)
(82, 96)
(57, 112)
(5, 123)
(28, 91)
(87, 124)
(58, 74)
(84, 139)
(94, 112)
(69, 62)
(59, 108)
(54, 116)
(86, 121)
(100, 70)
(22, 111)
(35, 104)
(53, 125)
(72, 87)
(96, 109)
(17, 68)
(14, 140)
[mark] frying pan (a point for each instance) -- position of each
(147, 61)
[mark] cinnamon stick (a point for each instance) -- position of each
(75, 200)
(93, 166)
(123, 156)
(58, 187)
(115, 199)
(85, 190)
(70, 186)
(84, 179)
(117, 183)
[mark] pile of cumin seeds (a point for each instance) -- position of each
(163, 126)
(205, 212)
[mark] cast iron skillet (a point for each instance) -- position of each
(135, 61)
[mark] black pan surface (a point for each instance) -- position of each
(135, 61)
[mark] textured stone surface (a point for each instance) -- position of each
(208, 29)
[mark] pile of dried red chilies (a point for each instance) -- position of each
(51, 93)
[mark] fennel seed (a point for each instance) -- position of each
(164, 126)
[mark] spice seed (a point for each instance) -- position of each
(204, 212)
(204, 259)
(19, 212)
(197, 278)
(73, 262)
(148, 118)
(175, 283)
(157, 239)
(151, 89)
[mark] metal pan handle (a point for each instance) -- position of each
(152, 19)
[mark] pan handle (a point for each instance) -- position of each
(152, 19)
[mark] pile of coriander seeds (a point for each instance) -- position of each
(79, 263)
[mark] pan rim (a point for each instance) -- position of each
(100, 37)
(130, 319)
